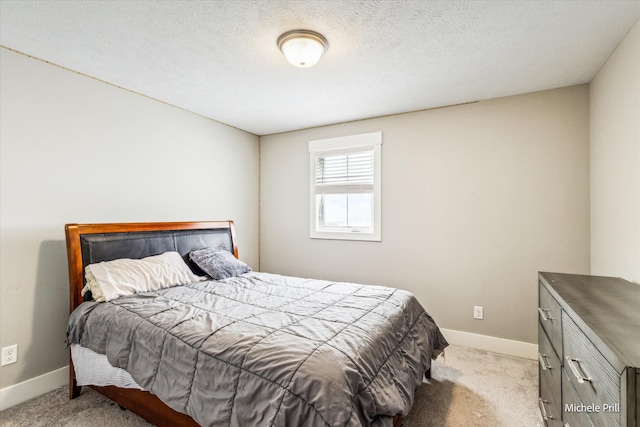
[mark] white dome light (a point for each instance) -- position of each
(302, 48)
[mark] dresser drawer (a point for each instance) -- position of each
(550, 372)
(550, 409)
(550, 413)
(575, 414)
(550, 317)
(595, 381)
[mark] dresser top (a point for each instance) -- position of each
(608, 306)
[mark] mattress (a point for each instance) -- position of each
(93, 368)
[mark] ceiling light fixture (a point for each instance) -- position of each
(302, 48)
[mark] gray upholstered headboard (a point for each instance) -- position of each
(92, 243)
(136, 245)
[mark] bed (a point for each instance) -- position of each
(249, 349)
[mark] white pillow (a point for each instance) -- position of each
(112, 279)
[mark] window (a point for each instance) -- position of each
(345, 187)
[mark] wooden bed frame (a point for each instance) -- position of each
(143, 403)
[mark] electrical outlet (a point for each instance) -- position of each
(9, 354)
(478, 312)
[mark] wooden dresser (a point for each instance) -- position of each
(588, 351)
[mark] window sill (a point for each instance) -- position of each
(346, 235)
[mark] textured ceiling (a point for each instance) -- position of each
(220, 59)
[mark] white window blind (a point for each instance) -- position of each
(344, 173)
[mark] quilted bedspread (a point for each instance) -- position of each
(262, 349)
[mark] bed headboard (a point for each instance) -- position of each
(92, 243)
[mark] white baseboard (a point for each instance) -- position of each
(34, 387)
(493, 344)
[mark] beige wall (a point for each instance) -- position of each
(77, 150)
(615, 163)
(476, 199)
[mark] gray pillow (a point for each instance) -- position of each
(218, 263)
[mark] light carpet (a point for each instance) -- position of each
(477, 388)
(469, 388)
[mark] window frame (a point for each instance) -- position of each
(345, 144)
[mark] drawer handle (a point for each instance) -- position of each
(572, 364)
(541, 358)
(544, 313)
(543, 410)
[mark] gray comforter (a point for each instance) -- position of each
(262, 349)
